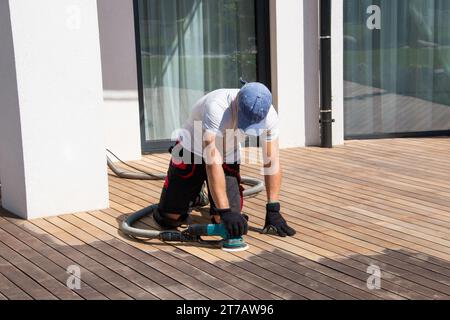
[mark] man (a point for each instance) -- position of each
(208, 150)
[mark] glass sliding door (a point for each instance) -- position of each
(189, 48)
(397, 67)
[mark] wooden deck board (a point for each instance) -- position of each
(313, 253)
(47, 265)
(374, 202)
(250, 241)
(411, 285)
(247, 289)
(12, 291)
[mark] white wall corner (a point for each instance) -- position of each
(287, 57)
(118, 50)
(55, 151)
(312, 71)
(122, 124)
(337, 47)
(12, 171)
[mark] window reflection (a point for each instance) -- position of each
(397, 78)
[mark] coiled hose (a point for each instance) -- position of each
(256, 186)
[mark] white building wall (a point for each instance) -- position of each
(295, 56)
(52, 149)
(118, 50)
(287, 54)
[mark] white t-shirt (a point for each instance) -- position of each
(216, 112)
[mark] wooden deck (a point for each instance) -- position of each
(384, 203)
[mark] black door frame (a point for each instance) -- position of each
(262, 20)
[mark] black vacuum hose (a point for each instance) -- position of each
(256, 186)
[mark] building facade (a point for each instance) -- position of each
(82, 76)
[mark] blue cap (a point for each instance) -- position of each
(254, 103)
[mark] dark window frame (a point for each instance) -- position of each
(263, 65)
(399, 135)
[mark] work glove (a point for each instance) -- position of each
(234, 222)
(274, 221)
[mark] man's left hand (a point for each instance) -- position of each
(274, 220)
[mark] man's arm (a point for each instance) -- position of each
(272, 170)
(272, 176)
(215, 173)
(234, 222)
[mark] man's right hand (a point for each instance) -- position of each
(234, 222)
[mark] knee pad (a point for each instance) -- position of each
(168, 223)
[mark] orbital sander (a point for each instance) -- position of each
(193, 233)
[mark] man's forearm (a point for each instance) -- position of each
(217, 185)
(272, 170)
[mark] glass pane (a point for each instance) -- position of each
(397, 66)
(189, 48)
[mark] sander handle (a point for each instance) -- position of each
(200, 230)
